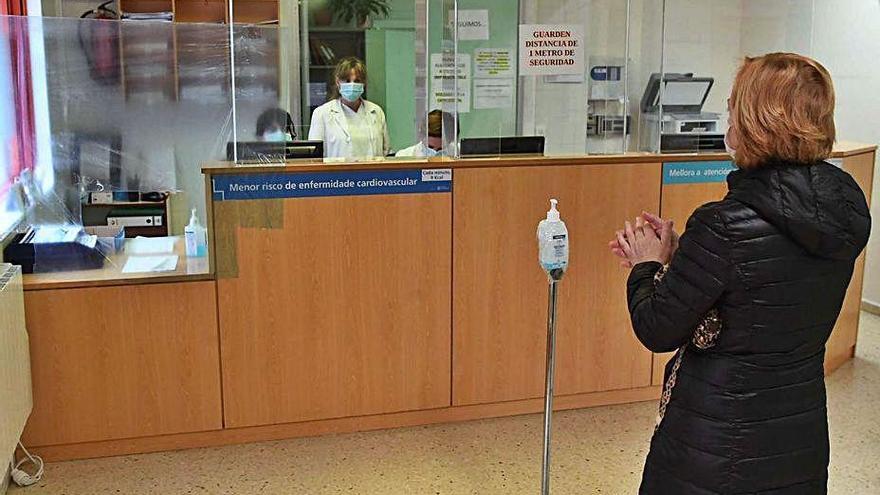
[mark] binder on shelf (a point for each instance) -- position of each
(135, 217)
(148, 16)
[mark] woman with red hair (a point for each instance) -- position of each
(749, 295)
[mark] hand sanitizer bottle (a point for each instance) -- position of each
(196, 237)
(553, 243)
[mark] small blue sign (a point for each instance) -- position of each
(231, 187)
(696, 172)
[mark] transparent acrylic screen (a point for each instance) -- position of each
(148, 115)
(302, 54)
(709, 40)
(117, 107)
(574, 113)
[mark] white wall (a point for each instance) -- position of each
(704, 37)
(846, 39)
(783, 25)
(844, 35)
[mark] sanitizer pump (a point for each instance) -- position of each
(553, 256)
(553, 243)
(196, 237)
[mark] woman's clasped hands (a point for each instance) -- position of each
(651, 238)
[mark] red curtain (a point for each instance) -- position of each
(24, 104)
(22, 149)
(13, 7)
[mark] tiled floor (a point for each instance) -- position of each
(598, 450)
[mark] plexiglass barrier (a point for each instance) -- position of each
(541, 77)
(600, 77)
(317, 50)
(120, 117)
(107, 111)
(704, 43)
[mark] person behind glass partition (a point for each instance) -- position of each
(433, 144)
(749, 295)
(349, 125)
(275, 125)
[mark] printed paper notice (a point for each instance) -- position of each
(493, 62)
(150, 264)
(493, 93)
(472, 24)
(150, 245)
(447, 79)
(551, 49)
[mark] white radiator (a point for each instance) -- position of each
(15, 364)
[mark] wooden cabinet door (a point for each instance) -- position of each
(500, 292)
(333, 306)
(123, 362)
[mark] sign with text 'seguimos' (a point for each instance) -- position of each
(279, 185)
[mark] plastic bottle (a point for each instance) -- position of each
(553, 243)
(196, 237)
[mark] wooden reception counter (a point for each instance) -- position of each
(368, 295)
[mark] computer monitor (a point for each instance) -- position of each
(511, 145)
(268, 152)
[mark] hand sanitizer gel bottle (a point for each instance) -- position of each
(553, 243)
(196, 237)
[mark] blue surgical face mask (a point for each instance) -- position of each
(276, 136)
(429, 152)
(351, 91)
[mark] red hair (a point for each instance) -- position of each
(782, 109)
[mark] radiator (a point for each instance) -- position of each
(15, 363)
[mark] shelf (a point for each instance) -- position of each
(145, 6)
(254, 11)
(211, 11)
(332, 29)
(123, 204)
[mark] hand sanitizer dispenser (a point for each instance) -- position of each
(553, 243)
(196, 237)
(553, 256)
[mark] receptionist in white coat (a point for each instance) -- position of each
(350, 126)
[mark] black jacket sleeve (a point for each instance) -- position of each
(666, 317)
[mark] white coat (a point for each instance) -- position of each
(330, 125)
(417, 150)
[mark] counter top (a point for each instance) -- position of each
(188, 269)
(445, 162)
(849, 148)
(841, 149)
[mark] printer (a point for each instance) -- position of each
(682, 125)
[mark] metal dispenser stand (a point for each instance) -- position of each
(554, 277)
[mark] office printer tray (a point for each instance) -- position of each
(54, 256)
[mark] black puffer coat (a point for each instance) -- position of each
(775, 257)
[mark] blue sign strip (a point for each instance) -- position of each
(696, 172)
(231, 187)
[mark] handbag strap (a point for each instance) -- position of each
(666, 395)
